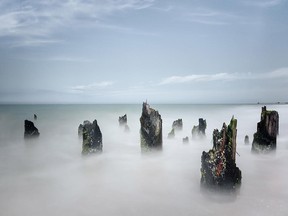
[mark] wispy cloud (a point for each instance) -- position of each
(263, 3)
(200, 12)
(208, 22)
(123, 29)
(31, 42)
(54, 58)
(93, 86)
(163, 9)
(34, 22)
(197, 78)
(210, 17)
(281, 73)
(67, 59)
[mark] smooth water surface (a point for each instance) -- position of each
(49, 176)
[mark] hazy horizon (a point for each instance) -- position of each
(140, 103)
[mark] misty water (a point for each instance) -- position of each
(49, 176)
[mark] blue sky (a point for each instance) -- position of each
(127, 51)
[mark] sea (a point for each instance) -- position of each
(49, 176)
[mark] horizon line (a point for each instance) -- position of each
(107, 103)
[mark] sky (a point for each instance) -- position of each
(130, 51)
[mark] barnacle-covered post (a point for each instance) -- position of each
(151, 128)
(30, 130)
(92, 138)
(219, 164)
(199, 130)
(265, 138)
